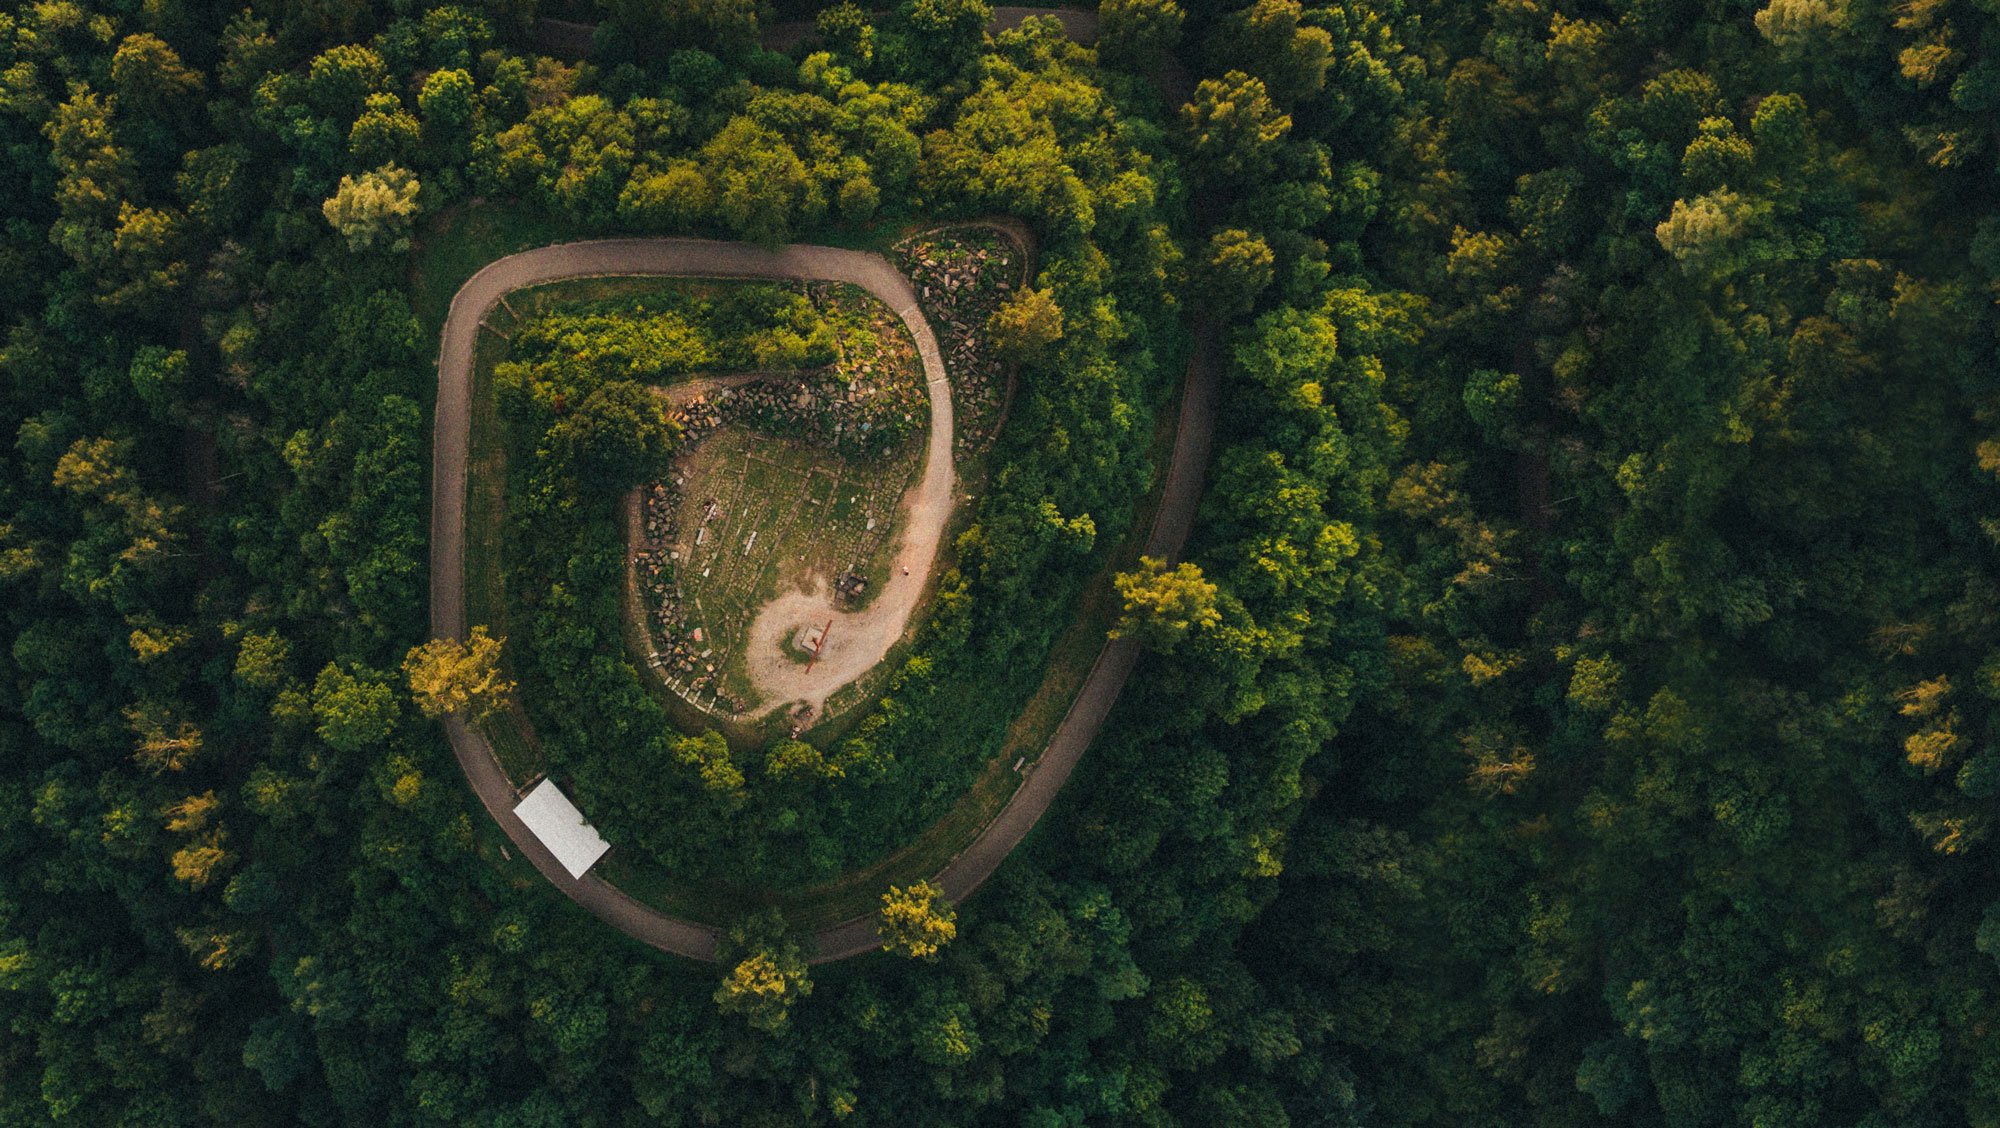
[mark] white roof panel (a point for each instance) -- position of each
(556, 821)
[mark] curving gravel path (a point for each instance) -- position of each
(1172, 524)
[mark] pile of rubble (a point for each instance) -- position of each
(863, 404)
(697, 418)
(962, 275)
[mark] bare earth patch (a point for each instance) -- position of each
(749, 519)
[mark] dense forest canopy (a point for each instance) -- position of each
(1577, 706)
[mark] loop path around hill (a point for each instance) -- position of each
(701, 258)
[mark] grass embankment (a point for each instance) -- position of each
(462, 241)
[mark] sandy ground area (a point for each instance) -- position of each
(859, 640)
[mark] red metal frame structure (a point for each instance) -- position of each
(819, 646)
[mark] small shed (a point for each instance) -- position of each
(560, 826)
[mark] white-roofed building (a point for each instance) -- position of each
(556, 821)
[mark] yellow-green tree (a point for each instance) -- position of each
(1239, 267)
(448, 676)
(202, 860)
(375, 209)
(916, 921)
(262, 658)
(795, 760)
(1025, 325)
(767, 972)
(150, 76)
(1162, 605)
(1233, 129)
(167, 743)
(708, 754)
(1138, 32)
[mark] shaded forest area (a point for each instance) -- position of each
(1578, 709)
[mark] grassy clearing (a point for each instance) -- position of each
(514, 745)
(486, 496)
(531, 302)
(759, 516)
(462, 241)
(649, 885)
(511, 734)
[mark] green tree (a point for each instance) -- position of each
(385, 134)
(159, 377)
(356, 709)
(340, 79)
(795, 760)
(1268, 40)
(1239, 267)
(943, 35)
(215, 186)
(446, 106)
(147, 247)
(150, 77)
(762, 190)
(617, 437)
(959, 18)
(725, 25)
(263, 659)
(708, 753)
(1023, 327)
(1232, 129)
(1702, 233)
(847, 28)
(767, 972)
(678, 197)
(1138, 33)
(249, 52)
